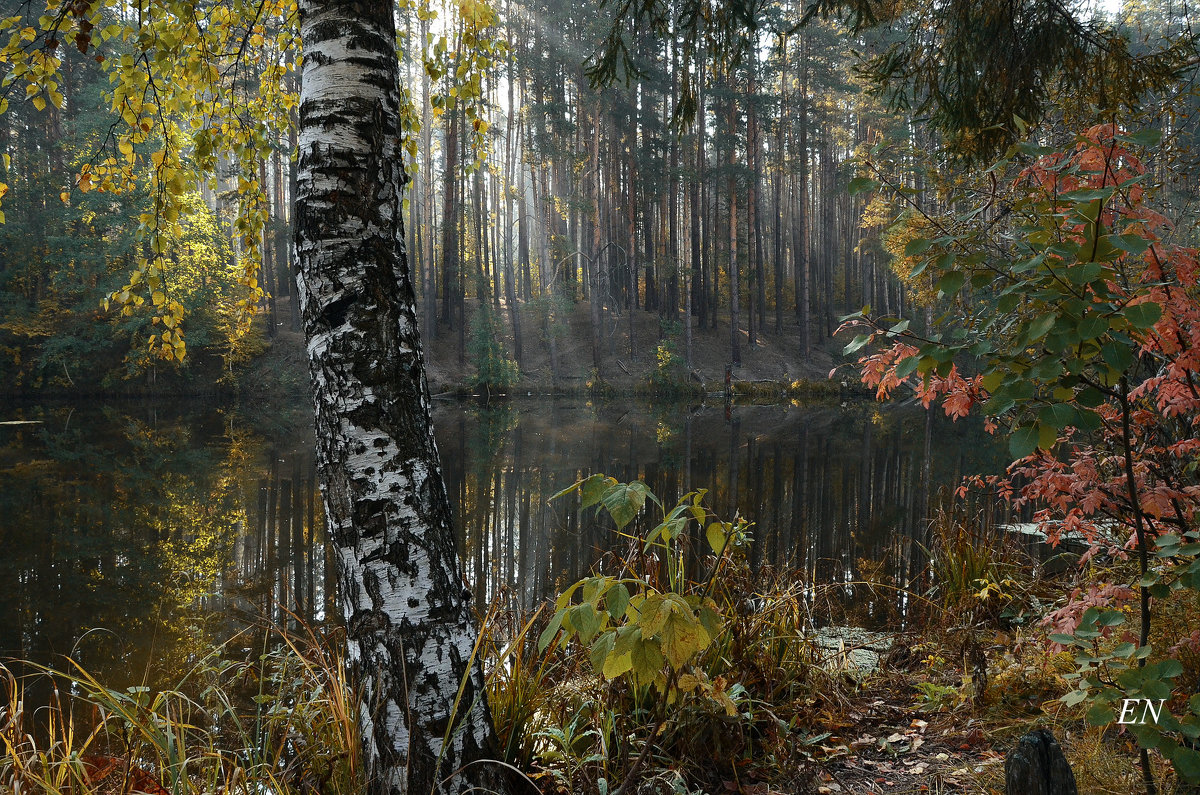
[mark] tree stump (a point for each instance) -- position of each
(1036, 766)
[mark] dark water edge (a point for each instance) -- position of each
(138, 535)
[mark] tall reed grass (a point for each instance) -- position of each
(278, 720)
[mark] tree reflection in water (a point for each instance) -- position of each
(165, 531)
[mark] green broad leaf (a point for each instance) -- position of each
(1156, 688)
(899, 328)
(1148, 735)
(1102, 251)
(1074, 697)
(997, 405)
(1143, 315)
(601, 650)
(1089, 397)
(1085, 272)
(616, 665)
(1117, 356)
(1033, 263)
(616, 601)
(1111, 618)
(593, 589)
(710, 618)
(1170, 668)
(857, 344)
(1087, 420)
(587, 620)
(1039, 327)
(1186, 763)
(861, 185)
(917, 245)
(716, 534)
(1047, 436)
(623, 501)
(654, 613)
(667, 530)
(1142, 138)
(551, 630)
(1100, 714)
(1092, 326)
(1129, 243)
(1160, 590)
(951, 283)
(683, 636)
(1088, 195)
(907, 366)
(646, 658)
(981, 348)
(592, 489)
(1058, 415)
(1024, 441)
(1062, 638)
(993, 380)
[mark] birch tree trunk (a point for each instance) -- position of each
(409, 624)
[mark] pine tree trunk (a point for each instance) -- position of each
(450, 263)
(734, 275)
(409, 625)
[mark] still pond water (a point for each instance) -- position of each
(133, 537)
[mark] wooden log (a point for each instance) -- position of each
(1036, 766)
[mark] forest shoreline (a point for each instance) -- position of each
(775, 368)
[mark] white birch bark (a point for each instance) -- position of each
(409, 623)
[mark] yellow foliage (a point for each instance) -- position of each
(895, 242)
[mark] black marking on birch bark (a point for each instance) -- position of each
(410, 631)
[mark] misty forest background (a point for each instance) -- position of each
(558, 233)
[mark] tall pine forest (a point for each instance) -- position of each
(560, 231)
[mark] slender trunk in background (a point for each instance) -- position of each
(697, 219)
(268, 255)
(424, 199)
(450, 276)
(293, 176)
(777, 215)
(672, 198)
(735, 342)
(829, 231)
(510, 164)
(460, 291)
(754, 147)
(631, 256)
(803, 264)
(409, 625)
(279, 225)
(595, 296)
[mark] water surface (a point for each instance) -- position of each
(135, 537)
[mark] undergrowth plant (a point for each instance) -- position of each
(681, 660)
(1080, 315)
(280, 721)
